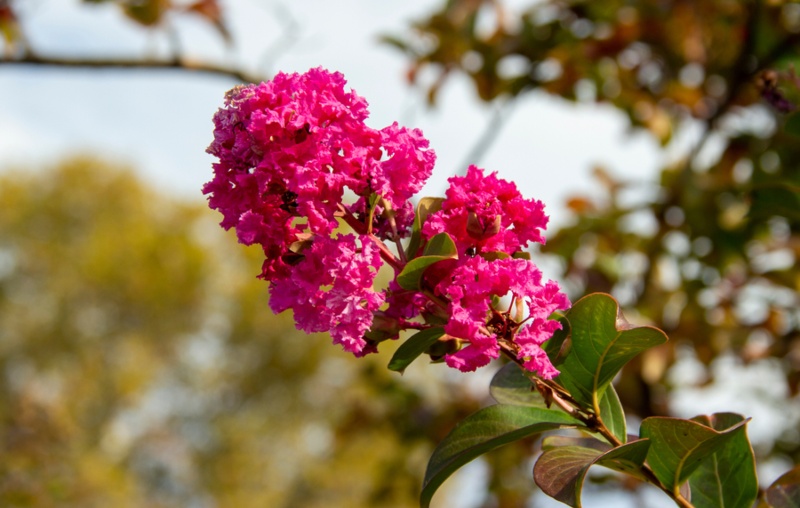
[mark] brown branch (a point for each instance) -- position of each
(134, 63)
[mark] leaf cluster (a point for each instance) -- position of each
(703, 462)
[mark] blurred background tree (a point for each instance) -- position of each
(141, 366)
(706, 250)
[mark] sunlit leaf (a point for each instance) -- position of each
(425, 207)
(728, 478)
(680, 446)
(612, 414)
(438, 248)
(601, 344)
(489, 428)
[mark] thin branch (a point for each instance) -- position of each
(499, 117)
(289, 36)
(134, 63)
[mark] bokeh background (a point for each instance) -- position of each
(139, 363)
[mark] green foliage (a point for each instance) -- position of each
(483, 431)
(728, 478)
(425, 207)
(707, 459)
(601, 343)
(510, 386)
(612, 414)
(678, 447)
(413, 347)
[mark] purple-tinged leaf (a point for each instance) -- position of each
(485, 430)
(784, 492)
(561, 470)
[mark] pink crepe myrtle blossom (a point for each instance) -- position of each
(470, 290)
(330, 290)
(484, 213)
(288, 150)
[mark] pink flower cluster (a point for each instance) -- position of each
(489, 219)
(290, 150)
(484, 213)
(471, 288)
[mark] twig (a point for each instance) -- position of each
(499, 117)
(133, 63)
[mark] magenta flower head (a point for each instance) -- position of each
(331, 291)
(473, 289)
(289, 148)
(288, 152)
(484, 213)
(490, 223)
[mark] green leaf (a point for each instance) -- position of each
(511, 386)
(441, 245)
(784, 492)
(439, 248)
(612, 414)
(728, 478)
(485, 430)
(602, 342)
(425, 207)
(680, 446)
(627, 458)
(561, 469)
(413, 347)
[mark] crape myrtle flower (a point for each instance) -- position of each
(472, 287)
(331, 290)
(287, 152)
(483, 213)
(289, 148)
(487, 216)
